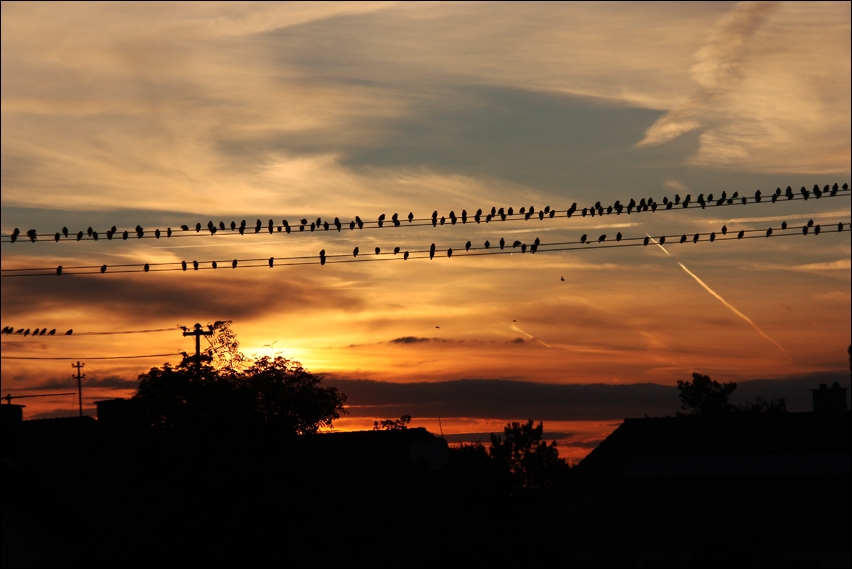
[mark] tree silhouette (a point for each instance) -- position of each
(392, 425)
(703, 396)
(232, 391)
(529, 462)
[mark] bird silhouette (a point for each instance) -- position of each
(618, 236)
(351, 225)
(271, 262)
(89, 231)
(359, 222)
(840, 227)
(804, 230)
(381, 220)
(94, 235)
(646, 241)
(198, 227)
(195, 265)
(19, 331)
(59, 271)
(834, 189)
(322, 257)
(56, 237)
(210, 224)
(378, 250)
(313, 226)
(410, 216)
(52, 332)
(405, 256)
(583, 238)
(516, 244)
(769, 232)
(146, 268)
(183, 265)
(168, 232)
(488, 218)
(26, 332)
(487, 244)
(69, 332)
(443, 220)
(712, 236)
(805, 193)
(450, 252)
(43, 332)
(214, 264)
(355, 252)
(157, 233)
(537, 242)
(602, 238)
(817, 192)
(395, 250)
(65, 231)
(502, 243)
(724, 230)
(431, 251)
(810, 223)
(663, 240)
(103, 269)
(270, 225)
(816, 230)
(741, 234)
(234, 264)
(14, 236)
(467, 246)
(783, 225)
(185, 227)
(695, 238)
(32, 235)
(524, 248)
(683, 238)
(452, 218)
(562, 279)
(337, 223)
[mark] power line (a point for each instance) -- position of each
(399, 255)
(87, 358)
(75, 334)
(273, 228)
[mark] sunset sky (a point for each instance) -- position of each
(168, 114)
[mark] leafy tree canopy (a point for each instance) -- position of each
(392, 424)
(703, 396)
(531, 463)
(230, 390)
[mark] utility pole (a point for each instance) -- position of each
(80, 376)
(198, 332)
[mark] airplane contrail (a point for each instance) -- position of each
(516, 329)
(722, 300)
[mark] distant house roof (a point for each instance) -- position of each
(710, 490)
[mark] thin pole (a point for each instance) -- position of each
(80, 376)
(198, 332)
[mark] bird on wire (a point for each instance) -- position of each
(405, 256)
(583, 238)
(395, 250)
(59, 271)
(467, 246)
(355, 252)
(103, 269)
(146, 268)
(234, 264)
(432, 251)
(183, 265)
(741, 234)
(322, 257)
(195, 265)
(783, 225)
(69, 332)
(602, 238)
(487, 244)
(695, 238)
(271, 262)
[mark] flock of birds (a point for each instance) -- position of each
(808, 228)
(643, 205)
(32, 332)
